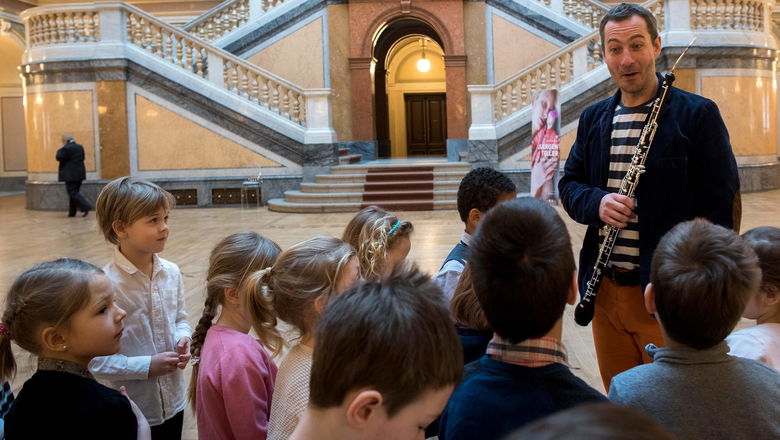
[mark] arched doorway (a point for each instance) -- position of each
(410, 104)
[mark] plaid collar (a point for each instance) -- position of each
(529, 353)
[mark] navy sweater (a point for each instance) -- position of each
(496, 398)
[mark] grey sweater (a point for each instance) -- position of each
(704, 394)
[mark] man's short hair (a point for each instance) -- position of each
(703, 275)
(481, 189)
(394, 336)
(623, 12)
(127, 199)
(522, 267)
(66, 138)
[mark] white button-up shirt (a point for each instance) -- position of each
(449, 274)
(155, 321)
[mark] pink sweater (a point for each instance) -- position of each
(235, 385)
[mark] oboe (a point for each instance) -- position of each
(584, 311)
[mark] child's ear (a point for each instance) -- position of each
(650, 299)
(771, 296)
(474, 216)
(574, 290)
(365, 405)
(119, 228)
(319, 304)
(232, 296)
(53, 340)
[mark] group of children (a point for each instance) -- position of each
(379, 348)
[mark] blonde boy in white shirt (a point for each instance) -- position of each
(133, 214)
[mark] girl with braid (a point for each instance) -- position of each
(233, 374)
(380, 239)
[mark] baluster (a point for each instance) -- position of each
(719, 13)
(96, 26)
(711, 14)
(728, 15)
(157, 43)
(264, 92)
(253, 89)
(742, 11)
(67, 27)
(302, 110)
(180, 49)
(504, 108)
(199, 62)
(555, 65)
(78, 28)
(265, 5)
(34, 29)
(295, 111)
(285, 104)
(62, 37)
(52, 26)
(513, 97)
(274, 97)
(147, 38)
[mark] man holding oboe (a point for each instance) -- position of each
(690, 172)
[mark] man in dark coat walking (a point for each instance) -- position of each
(73, 172)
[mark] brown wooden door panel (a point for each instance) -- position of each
(426, 124)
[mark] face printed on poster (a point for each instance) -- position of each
(545, 145)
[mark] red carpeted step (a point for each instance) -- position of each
(402, 205)
(387, 176)
(404, 185)
(371, 196)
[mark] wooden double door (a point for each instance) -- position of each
(426, 124)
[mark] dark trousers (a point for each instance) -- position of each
(76, 199)
(170, 430)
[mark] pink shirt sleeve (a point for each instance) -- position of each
(248, 384)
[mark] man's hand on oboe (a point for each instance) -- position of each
(616, 210)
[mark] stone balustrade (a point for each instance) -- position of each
(64, 27)
(738, 15)
(111, 27)
(229, 16)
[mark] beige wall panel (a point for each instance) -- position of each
(507, 59)
(10, 58)
(340, 75)
(749, 108)
(685, 79)
(49, 115)
(14, 143)
(474, 29)
(112, 122)
(168, 141)
(567, 141)
(297, 57)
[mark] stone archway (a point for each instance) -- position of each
(370, 39)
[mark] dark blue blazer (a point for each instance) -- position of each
(690, 172)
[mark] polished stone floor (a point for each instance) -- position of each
(28, 237)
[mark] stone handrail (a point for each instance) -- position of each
(228, 16)
(747, 15)
(111, 24)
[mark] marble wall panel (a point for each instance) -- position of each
(298, 57)
(338, 52)
(749, 109)
(13, 143)
(112, 122)
(476, 44)
(49, 115)
(507, 37)
(169, 141)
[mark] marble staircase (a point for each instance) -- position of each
(396, 185)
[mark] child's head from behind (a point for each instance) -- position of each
(386, 357)
(765, 242)
(522, 268)
(380, 239)
(62, 309)
(234, 286)
(464, 305)
(480, 190)
(307, 276)
(702, 276)
(135, 212)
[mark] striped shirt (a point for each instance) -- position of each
(627, 126)
(529, 353)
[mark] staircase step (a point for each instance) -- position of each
(400, 186)
(281, 205)
(349, 158)
(367, 197)
(438, 176)
(364, 167)
(360, 187)
(395, 176)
